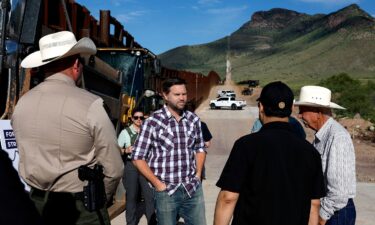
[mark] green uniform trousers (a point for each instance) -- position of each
(65, 209)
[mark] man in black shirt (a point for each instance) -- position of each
(16, 208)
(207, 136)
(272, 177)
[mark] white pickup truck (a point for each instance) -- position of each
(227, 102)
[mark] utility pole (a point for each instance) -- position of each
(228, 76)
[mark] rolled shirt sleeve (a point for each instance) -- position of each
(124, 139)
(107, 151)
(199, 142)
(143, 142)
(340, 175)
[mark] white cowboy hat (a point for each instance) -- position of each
(57, 46)
(316, 96)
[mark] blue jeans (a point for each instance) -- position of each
(180, 204)
(345, 216)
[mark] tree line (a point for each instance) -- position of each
(355, 96)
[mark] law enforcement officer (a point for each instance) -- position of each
(60, 127)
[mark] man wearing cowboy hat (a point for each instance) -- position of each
(335, 146)
(272, 176)
(60, 127)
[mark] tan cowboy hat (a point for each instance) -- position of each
(316, 96)
(57, 46)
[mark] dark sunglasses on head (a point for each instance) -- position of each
(138, 117)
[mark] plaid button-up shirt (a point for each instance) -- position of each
(169, 148)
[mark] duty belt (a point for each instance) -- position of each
(55, 195)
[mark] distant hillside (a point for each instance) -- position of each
(282, 44)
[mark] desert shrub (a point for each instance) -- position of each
(351, 94)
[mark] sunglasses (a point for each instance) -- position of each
(138, 117)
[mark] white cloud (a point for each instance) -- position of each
(121, 2)
(195, 7)
(126, 17)
(227, 10)
(219, 24)
(208, 2)
(338, 2)
(202, 4)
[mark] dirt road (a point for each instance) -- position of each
(226, 126)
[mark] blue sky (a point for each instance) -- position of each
(161, 25)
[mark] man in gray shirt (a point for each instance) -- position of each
(335, 146)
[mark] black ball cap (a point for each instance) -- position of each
(277, 96)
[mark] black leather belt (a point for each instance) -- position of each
(56, 195)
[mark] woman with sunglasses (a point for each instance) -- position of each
(133, 181)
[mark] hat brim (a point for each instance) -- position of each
(84, 46)
(331, 105)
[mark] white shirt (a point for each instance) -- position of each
(335, 146)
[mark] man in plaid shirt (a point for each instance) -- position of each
(169, 152)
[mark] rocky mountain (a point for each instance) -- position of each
(287, 45)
